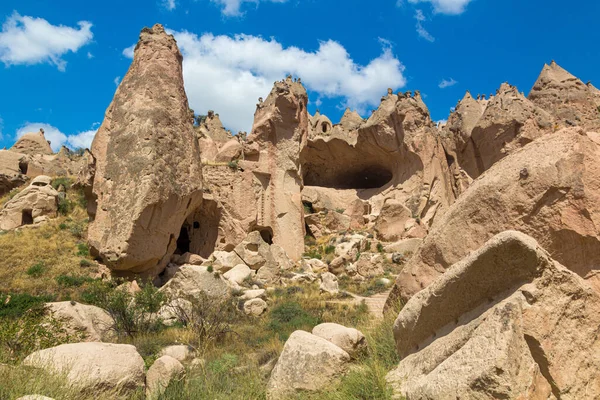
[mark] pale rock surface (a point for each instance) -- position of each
(253, 294)
(93, 322)
(392, 218)
(350, 340)
(99, 368)
(329, 283)
(191, 280)
(32, 143)
(223, 260)
(403, 246)
(525, 329)
(35, 397)
(238, 274)
(162, 372)
(230, 151)
(307, 363)
(148, 177)
(370, 265)
(549, 190)
(37, 200)
(180, 352)
(255, 307)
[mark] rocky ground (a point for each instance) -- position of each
(378, 258)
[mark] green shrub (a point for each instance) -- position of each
(329, 249)
(15, 304)
(36, 270)
(72, 281)
(339, 210)
(64, 206)
(312, 253)
(233, 164)
(288, 317)
(209, 268)
(83, 249)
(380, 248)
(63, 226)
(85, 263)
(62, 180)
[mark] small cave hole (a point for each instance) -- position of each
(324, 127)
(26, 217)
(23, 167)
(267, 235)
(183, 241)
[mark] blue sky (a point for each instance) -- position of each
(60, 60)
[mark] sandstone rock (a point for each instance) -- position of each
(253, 294)
(162, 372)
(32, 143)
(329, 283)
(180, 352)
(390, 223)
(313, 265)
(190, 258)
(307, 363)
(93, 322)
(404, 246)
(98, 368)
(280, 130)
(232, 150)
(350, 340)
(223, 260)
(255, 307)
(37, 200)
(238, 274)
(148, 172)
(323, 224)
(566, 97)
(556, 203)
(254, 251)
(35, 397)
(191, 280)
(522, 332)
(369, 265)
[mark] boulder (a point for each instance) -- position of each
(307, 363)
(162, 372)
(404, 246)
(191, 280)
(101, 369)
(254, 251)
(390, 223)
(329, 283)
(148, 177)
(548, 190)
(325, 223)
(231, 150)
(94, 323)
(253, 294)
(370, 265)
(350, 340)
(525, 330)
(255, 307)
(180, 352)
(189, 258)
(223, 260)
(238, 274)
(29, 206)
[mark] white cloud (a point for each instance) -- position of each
(420, 28)
(128, 52)
(90, 55)
(445, 83)
(232, 8)
(169, 4)
(450, 7)
(29, 40)
(56, 137)
(228, 74)
(117, 80)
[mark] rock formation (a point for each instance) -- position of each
(525, 330)
(32, 205)
(32, 143)
(148, 173)
(566, 97)
(548, 189)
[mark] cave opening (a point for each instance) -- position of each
(23, 167)
(266, 233)
(26, 217)
(368, 177)
(183, 241)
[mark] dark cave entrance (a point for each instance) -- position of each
(183, 241)
(367, 177)
(267, 235)
(23, 167)
(26, 217)
(200, 231)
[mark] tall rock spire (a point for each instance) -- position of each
(148, 171)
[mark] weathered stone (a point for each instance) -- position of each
(392, 218)
(32, 143)
(191, 280)
(307, 363)
(148, 172)
(98, 368)
(92, 322)
(37, 200)
(350, 340)
(239, 274)
(180, 352)
(162, 372)
(329, 283)
(255, 307)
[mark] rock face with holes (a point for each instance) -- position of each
(32, 143)
(33, 204)
(526, 329)
(148, 172)
(102, 369)
(549, 190)
(362, 168)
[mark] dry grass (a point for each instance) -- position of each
(47, 252)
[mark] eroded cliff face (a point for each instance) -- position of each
(148, 175)
(391, 162)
